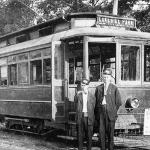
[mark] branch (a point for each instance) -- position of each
(68, 4)
(26, 6)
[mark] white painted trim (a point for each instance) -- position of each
(100, 39)
(55, 82)
(129, 83)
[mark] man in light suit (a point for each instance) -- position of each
(85, 104)
(108, 101)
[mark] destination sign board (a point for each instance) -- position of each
(104, 20)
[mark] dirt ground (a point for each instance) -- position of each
(20, 141)
(13, 141)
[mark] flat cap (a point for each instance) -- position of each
(85, 81)
(107, 71)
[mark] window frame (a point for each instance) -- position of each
(130, 82)
(14, 60)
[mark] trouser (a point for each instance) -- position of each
(84, 130)
(106, 130)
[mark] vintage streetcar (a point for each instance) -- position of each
(39, 67)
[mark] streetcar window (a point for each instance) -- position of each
(47, 71)
(22, 38)
(130, 63)
(23, 56)
(3, 75)
(79, 69)
(46, 52)
(35, 54)
(13, 74)
(101, 56)
(45, 31)
(23, 73)
(36, 71)
(71, 71)
(3, 72)
(12, 59)
(147, 63)
(94, 67)
(28, 68)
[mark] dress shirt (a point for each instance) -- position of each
(85, 96)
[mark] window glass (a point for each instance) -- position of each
(23, 73)
(46, 52)
(3, 75)
(3, 61)
(22, 38)
(46, 31)
(3, 72)
(23, 56)
(36, 71)
(130, 63)
(13, 74)
(94, 69)
(35, 54)
(12, 59)
(147, 63)
(79, 69)
(71, 71)
(47, 71)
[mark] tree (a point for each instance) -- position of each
(143, 17)
(51, 9)
(16, 14)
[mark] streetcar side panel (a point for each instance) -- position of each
(26, 90)
(27, 102)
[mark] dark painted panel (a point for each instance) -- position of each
(36, 93)
(60, 110)
(26, 109)
(143, 94)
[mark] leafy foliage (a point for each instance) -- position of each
(143, 19)
(18, 14)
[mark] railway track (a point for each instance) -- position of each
(17, 140)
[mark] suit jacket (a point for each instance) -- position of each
(90, 107)
(113, 101)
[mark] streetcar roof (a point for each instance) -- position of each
(102, 32)
(24, 46)
(87, 31)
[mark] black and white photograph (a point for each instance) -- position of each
(74, 74)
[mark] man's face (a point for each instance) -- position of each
(106, 78)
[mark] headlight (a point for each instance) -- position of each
(132, 103)
(135, 103)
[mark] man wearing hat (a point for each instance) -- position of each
(108, 101)
(85, 104)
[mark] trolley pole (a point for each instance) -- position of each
(115, 7)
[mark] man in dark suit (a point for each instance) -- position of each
(108, 101)
(85, 104)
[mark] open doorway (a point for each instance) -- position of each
(101, 56)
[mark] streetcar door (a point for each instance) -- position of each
(100, 54)
(87, 58)
(57, 82)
